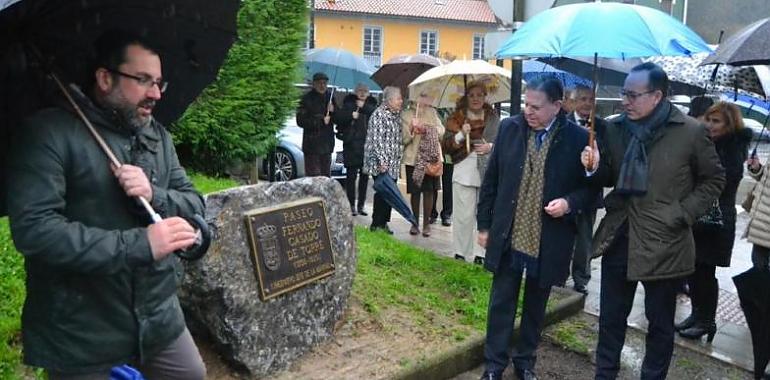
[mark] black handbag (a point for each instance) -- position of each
(712, 218)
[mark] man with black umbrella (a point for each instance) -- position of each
(101, 284)
(665, 173)
(316, 116)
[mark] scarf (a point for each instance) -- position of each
(427, 152)
(633, 170)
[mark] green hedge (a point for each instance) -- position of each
(236, 118)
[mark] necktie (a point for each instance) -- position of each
(539, 137)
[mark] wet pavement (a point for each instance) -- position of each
(732, 343)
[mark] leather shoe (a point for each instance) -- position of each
(362, 212)
(478, 260)
(432, 220)
(446, 222)
(525, 374)
(580, 288)
(414, 230)
(381, 228)
(492, 376)
(459, 257)
(353, 213)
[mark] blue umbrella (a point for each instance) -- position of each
(386, 187)
(535, 69)
(607, 30)
(343, 68)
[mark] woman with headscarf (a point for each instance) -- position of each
(468, 139)
(421, 128)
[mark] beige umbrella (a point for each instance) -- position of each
(446, 84)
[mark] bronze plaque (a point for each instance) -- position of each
(290, 245)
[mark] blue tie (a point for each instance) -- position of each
(539, 137)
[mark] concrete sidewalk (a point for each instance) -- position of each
(732, 344)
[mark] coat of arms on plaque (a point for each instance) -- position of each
(268, 242)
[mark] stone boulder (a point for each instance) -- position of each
(220, 292)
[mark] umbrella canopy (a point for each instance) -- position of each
(386, 187)
(192, 37)
(343, 68)
(612, 71)
(755, 302)
(749, 46)
(751, 107)
(535, 69)
(609, 30)
(446, 84)
(401, 70)
(688, 70)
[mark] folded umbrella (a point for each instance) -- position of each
(755, 302)
(386, 187)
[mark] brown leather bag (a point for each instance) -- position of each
(435, 169)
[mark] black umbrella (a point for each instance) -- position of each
(748, 46)
(755, 302)
(46, 43)
(401, 70)
(386, 187)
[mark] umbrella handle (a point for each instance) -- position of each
(203, 239)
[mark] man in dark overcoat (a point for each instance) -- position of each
(315, 115)
(533, 188)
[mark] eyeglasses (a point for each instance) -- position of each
(632, 96)
(144, 81)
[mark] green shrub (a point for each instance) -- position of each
(236, 118)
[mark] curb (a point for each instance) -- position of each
(470, 353)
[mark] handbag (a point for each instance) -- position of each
(434, 169)
(712, 218)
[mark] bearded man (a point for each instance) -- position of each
(101, 283)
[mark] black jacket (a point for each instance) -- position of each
(714, 246)
(564, 178)
(317, 137)
(353, 132)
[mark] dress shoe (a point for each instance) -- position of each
(459, 257)
(446, 222)
(580, 288)
(381, 228)
(699, 329)
(525, 374)
(492, 376)
(432, 220)
(414, 230)
(478, 260)
(362, 212)
(426, 230)
(686, 323)
(354, 213)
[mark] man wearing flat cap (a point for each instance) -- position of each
(314, 116)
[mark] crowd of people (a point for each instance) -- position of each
(527, 190)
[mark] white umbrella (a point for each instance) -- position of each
(446, 84)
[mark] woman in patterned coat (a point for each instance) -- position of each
(383, 149)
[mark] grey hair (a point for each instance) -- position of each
(389, 92)
(361, 86)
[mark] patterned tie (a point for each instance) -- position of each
(539, 137)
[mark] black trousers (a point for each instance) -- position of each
(446, 198)
(616, 301)
(318, 165)
(581, 255)
(350, 186)
(380, 212)
(704, 292)
(503, 298)
(760, 256)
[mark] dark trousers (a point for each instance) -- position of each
(318, 165)
(380, 212)
(350, 186)
(581, 256)
(616, 301)
(760, 256)
(503, 298)
(704, 292)
(446, 198)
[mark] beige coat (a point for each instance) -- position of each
(429, 117)
(758, 230)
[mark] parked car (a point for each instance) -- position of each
(289, 159)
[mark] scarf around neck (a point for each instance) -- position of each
(635, 166)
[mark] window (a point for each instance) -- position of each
(429, 42)
(373, 45)
(478, 46)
